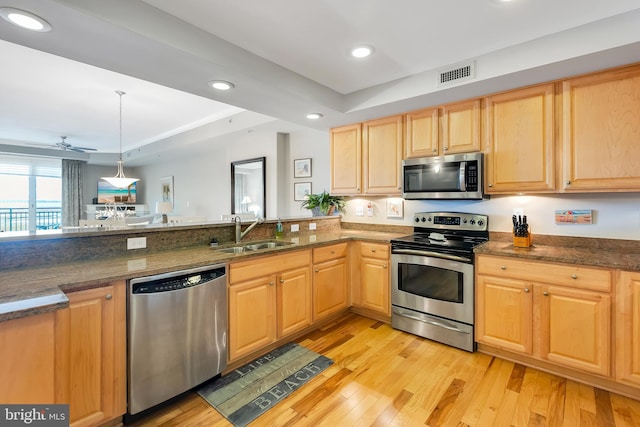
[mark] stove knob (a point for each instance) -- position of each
(425, 219)
(464, 221)
(417, 219)
(472, 221)
(480, 222)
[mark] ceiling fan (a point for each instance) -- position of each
(64, 145)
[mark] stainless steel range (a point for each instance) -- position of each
(432, 290)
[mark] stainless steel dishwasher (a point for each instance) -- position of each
(176, 333)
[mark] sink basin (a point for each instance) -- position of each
(255, 246)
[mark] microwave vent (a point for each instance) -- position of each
(457, 74)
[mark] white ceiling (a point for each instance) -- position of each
(286, 58)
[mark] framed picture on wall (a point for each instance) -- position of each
(302, 168)
(166, 188)
(395, 208)
(301, 190)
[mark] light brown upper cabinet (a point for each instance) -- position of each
(601, 131)
(449, 129)
(366, 158)
(520, 143)
(346, 160)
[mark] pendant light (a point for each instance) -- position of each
(120, 181)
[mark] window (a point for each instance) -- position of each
(30, 193)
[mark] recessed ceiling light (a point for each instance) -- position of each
(361, 51)
(24, 19)
(314, 116)
(221, 85)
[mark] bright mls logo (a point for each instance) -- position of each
(34, 415)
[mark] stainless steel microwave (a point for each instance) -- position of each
(455, 176)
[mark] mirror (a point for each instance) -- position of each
(248, 187)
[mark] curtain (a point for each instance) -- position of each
(72, 199)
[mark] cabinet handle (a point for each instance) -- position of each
(490, 185)
(384, 266)
(333, 252)
(568, 183)
(271, 283)
(526, 290)
(435, 150)
(316, 270)
(373, 250)
(281, 280)
(503, 267)
(545, 293)
(446, 148)
(108, 297)
(573, 276)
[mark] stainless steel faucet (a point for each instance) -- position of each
(239, 233)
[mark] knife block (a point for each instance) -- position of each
(523, 242)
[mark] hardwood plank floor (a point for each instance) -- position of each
(385, 377)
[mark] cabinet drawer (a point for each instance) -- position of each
(576, 276)
(374, 250)
(326, 253)
(263, 266)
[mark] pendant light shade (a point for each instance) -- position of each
(120, 181)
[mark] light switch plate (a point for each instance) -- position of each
(136, 243)
(359, 211)
(295, 228)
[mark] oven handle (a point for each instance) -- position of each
(432, 322)
(430, 254)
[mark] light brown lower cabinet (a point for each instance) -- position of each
(330, 280)
(90, 348)
(269, 298)
(27, 360)
(628, 329)
(566, 321)
(371, 284)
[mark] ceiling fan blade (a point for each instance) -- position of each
(86, 148)
(76, 149)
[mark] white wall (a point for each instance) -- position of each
(616, 215)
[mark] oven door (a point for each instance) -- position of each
(433, 285)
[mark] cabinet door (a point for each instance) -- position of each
(461, 127)
(27, 355)
(382, 155)
(520, 140)
(90, 355)
(575, 328)
(628, 328)
(252, 317)
(374, 285)
(294, 300)
(422, 133)
(330, 293)
(346, 160)
(504, 313)
(601, 131)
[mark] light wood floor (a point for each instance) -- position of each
(385, 377)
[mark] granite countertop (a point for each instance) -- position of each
(625, 257)
(29, 291)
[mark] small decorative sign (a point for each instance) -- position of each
(581, 216)
(395, 208)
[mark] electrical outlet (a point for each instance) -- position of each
(312, 226)
(295, 228)
(518, 211)
(370, 209)
(359, 211)
(136, 243)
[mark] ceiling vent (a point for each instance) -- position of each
(456, 74)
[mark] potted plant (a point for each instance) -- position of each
(324, 204)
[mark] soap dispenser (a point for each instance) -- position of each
(279, 229)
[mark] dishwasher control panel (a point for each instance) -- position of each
(171, 282)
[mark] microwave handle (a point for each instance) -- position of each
(462, 176)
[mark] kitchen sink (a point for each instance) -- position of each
(254, 246)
